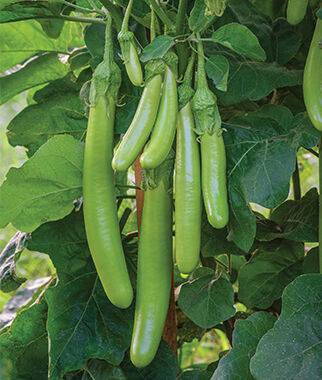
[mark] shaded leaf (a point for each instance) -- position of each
(212, 294)
(59, 110)
(214, 241)
(9, 280)
(97, 370)
(78, 309)
(240, 39)
(294, 220)
(311, 261)
(65, 241)
(287, 41)
(14, 49)
(45, 187)
(255, 80)
(24, 346)
(22, 297)
(44, 69)
(246, 335)
(157, 48)
(94, 37)
(263, 279)
(293, 348)
(23, 10)
(195, 374)
(163, 367)
(217, 68)
(261, 151)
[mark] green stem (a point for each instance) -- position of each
(152, 27)
(115, 13)
(181, 49)
(87, 10)
(296, 182)
(108, 50)
(189, 71)
(201, 73)
(125, 216)
(320, 204)
(180, 20)
(125, 24)
(161, 14)
(128, 186)
(89, 20)
(229, 264)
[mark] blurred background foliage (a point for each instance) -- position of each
(32, 265)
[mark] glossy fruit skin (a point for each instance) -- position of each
(141, 126)
(312, 79)
(296, 10)
(100, 213)
(164, 129)
(213, 177)
(187, 193)
(133, 67)
(153, 275)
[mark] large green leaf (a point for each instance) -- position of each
(45, 187)
(287, 41)
(211, 293)
(246, 335)
(59, 110)
(255, 80)
(311, 261)
(24, 346)
(293, 348)
(82, 323)
(240, 39)
(261, 152)
(14, 49)
(263, 279)
(294, 219)
(25, 10)
(245, 13)
(44, 69)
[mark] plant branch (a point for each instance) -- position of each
(161, 14)
(229, 264)
(181, 49)
(125, 196)
(87, 10)
(180, 19)
(320, 204)
(296, 182)
(152, 28)
(125, 23)
(316, 154)
(89, 20)
(115, 13)
(125, 216)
